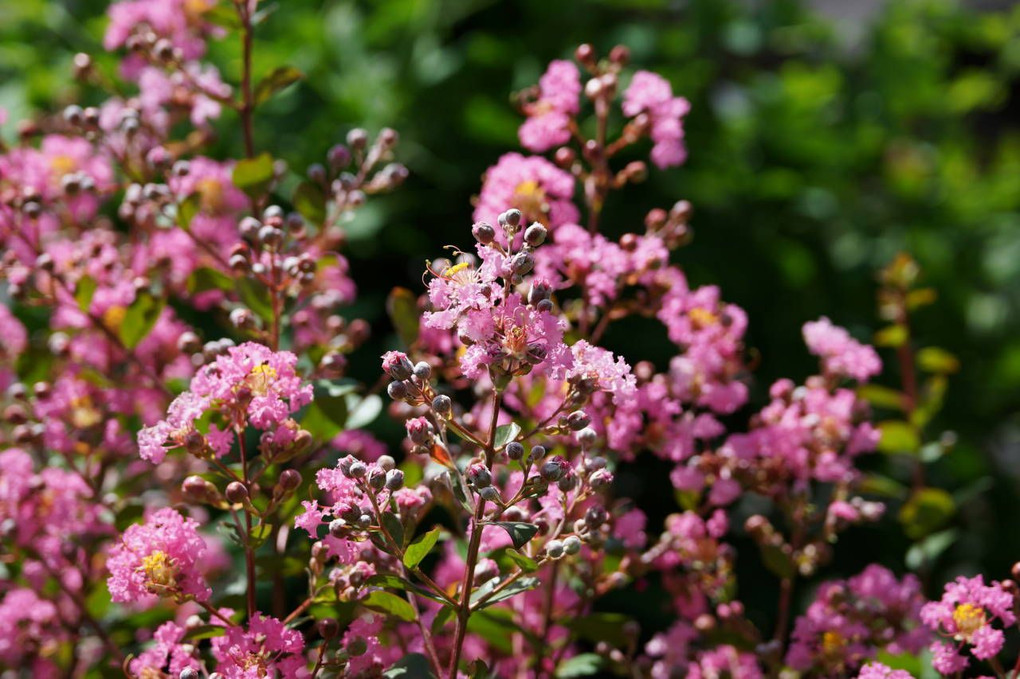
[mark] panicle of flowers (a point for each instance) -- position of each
(850, 621)
(249, 384)
(841, 355)
(970, 617)
(158, 559)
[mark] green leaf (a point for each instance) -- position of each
(876, 484)
(520, 532)
(777, 561)
(927, 550)
(445, 615)
(411, 666)
(402, 307)
(898, 437)
(187, 209)
(223, 15)
(310, 201)
(259, 534)
(421, 546)
(252, 175)
(892, 336)
(506, 433)
(389, 603)
(583, 665)
(927, 510)
(281, 77)
(205, 278)
(255, 296)
(496, 626)
(84, 291)
(522, 561)
(394, 527)
(362, 411)
(939, 361)
(514, 588)
(139, 318)
(601, 627)
(881, 397)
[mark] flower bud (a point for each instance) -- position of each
(338, 528)
(578, 420)
(587, 437)
(388, 137)
(394, 479)
(514, 450)
(490, 494)
(443, 405)
(423, 371)
(483, 232)
(553, 469)
(554, 548)
(386, 462)
(377, 478)
(601, 479)
(357, 470)
(397, 365)
(512, 218)
(535, 235)
(397, 390)
(572, 544)
(339, 157)
(328, 628)
(522, 263)
(290, 479)
(357, 139)
(478, 475)
(189, 673)
(236, 492)
(620, 55)
(419, 430)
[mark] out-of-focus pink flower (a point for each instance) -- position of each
(840, 353)
(548, 122)
(652, 94)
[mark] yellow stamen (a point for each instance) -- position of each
(702, 318)
(160, 572)
(969, 619)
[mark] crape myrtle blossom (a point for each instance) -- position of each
(268, 648)
(168, 653)
(850, 621)
(550, 115)
(841, 354)
(158, 558)
(877, 670)
(533, 185)
(31, 630)
(249, 384)
(965, 620)
(651, 94)
(181, 22)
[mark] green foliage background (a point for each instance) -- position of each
(818, 149)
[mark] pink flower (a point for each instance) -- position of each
(533, 185)
(158, 558)
(548, 122)
(841, 354)
(877, 670)
(169, 653)
(266, 649)
(850, 621)
(28, 623)
(964, 617)
(180, 21)
(597, 367)
(652, 94)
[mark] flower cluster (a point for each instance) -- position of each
(508, 532)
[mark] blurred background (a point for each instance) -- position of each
(824, 138)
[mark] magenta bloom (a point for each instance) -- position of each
(598, 366)
(533, 185)
(851, 620)
(841, 354)
(180, 21)
(27, 624)
(251, 383)
(964, 617)
(652, 94)
(158, 558)
(877, 670)
(548, 122)
(167, 654)
(266, 649)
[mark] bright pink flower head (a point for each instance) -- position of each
(168, 653)
(267, 649)
(599, 370)
(251, 376)
(533, 185)
(548, 122)
(964, 617)
(26, 623)
(840, 353)
(158, 558)
(877, 670)
(652, 94)
(180, 21)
